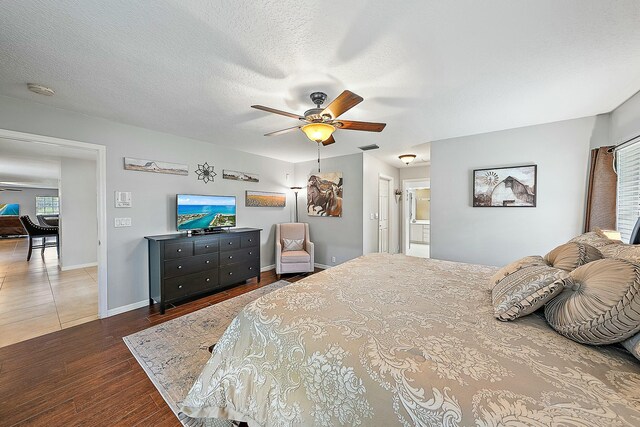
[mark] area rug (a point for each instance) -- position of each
(174, 352)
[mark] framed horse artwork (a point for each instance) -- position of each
(324, 194)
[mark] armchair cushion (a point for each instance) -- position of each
(290, 257)
(292, 245)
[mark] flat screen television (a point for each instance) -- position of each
(9, 209)
(199, 212)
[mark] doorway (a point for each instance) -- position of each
(57, 292)
(385, 184)
(416, 217)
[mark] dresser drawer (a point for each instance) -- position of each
(194, 264)
(229, 243)
(241, 255)
(250, 239)
(178, 250)
(234, 273)
(206, 246)
(191, 284)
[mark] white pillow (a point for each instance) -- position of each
(292, 245)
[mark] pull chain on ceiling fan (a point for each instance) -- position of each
(322, 123)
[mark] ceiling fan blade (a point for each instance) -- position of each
(10, 189)
(273, 110)
(281, 131)
(329, 141)
(366, 126)
(342, 103)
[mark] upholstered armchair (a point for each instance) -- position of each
(289, 258)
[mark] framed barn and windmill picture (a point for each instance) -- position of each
(508, 187)
(324, 194)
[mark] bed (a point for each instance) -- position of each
(388, 340)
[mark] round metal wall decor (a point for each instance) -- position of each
(206, 172)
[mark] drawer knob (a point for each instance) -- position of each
(231, 243)
(179, 267)
(208, 280)
(250, 240)
(206, 246)
(230, 256)
(179, 286)
(250, 253)
(207, 262)
(250, 268)
(231, 273)
(180, 250)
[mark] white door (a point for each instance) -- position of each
(383, 215)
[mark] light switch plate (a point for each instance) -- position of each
(123, 199)
(122, 222)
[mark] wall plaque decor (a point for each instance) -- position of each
(206, 173)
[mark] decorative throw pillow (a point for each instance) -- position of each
(572, 255)
(600, 303)
(633, 345)
(515, 266)
(292, 245)
(526, 290)
(622, 251)
(593, 238)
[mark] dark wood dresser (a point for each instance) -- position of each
(182, 266)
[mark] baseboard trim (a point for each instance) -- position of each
(267, 268)
(322, 266)
(75, 267)
(125, 308)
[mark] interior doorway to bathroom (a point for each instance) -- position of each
(416, 217)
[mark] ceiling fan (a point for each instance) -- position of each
(320, 123)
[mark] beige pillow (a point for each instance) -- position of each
(593, 238)
(515, 266)
(526, 290)
(292, 245)
(572, 255)
(600, 303)
(622, 251)
(633, 345)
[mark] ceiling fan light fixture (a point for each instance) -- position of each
(407, 158)
(318, 132)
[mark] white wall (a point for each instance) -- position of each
(78, 213)
(372, 167)
(339, 237)
(625, 120)
(26, 199)
(496, 236)
(153, 210)
(415, 172)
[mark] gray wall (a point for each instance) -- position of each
(625, 120)
(496, 236)
(333, 236)
(153, 210)
(26, 199)
(416, 172)
(372, 167)
(78, 213)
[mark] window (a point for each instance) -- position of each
(628, 205)
(47, 205)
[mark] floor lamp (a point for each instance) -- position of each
(295, 190)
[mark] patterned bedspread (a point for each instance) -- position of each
(393, 340)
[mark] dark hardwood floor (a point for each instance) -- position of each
(86, 375)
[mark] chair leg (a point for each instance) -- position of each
(44, 245)
(30, 248)
(278, 276)
(58, 246)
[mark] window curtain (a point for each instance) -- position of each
(601, 191)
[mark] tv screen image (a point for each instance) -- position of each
(197, 212)
(9, 209)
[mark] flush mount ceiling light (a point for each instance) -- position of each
(40, 90)
(407, 158)
(318, 132)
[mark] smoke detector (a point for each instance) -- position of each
(40, 90)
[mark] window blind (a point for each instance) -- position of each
(628, 203)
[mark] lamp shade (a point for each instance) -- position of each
(318, 132)
(407, 158)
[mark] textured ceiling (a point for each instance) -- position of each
(430, 69)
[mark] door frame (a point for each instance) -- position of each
(101, 193)
(390, 198)
(406, 184)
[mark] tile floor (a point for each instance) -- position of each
(419, 250)
(37, 298)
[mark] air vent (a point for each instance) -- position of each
(369, 147)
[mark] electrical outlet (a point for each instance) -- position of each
(371, 216)
(122, 222)
(333, 259)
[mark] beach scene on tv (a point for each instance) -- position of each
(199, 212)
